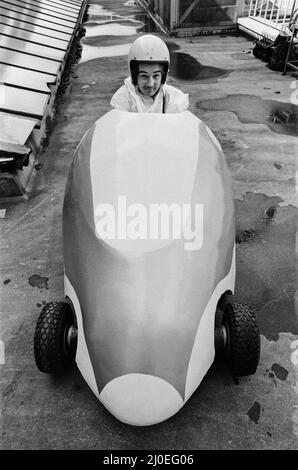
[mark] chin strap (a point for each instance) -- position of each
(165, 99)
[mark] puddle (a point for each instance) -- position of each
(117, 19)
(280, 372)
(97, 52)
(266, 268)
(111, 29)
(254, 412)
(185, 67)
(38, 281)
(281, 118)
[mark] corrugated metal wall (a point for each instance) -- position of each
(209, 12)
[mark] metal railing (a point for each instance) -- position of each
(274, 12)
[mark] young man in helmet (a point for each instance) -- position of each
(146, 91)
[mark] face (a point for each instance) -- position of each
(149, 79)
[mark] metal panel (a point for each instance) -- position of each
(189, 10)
(8, 126)
(65, 5)
(23, 11)
(207, 13)
(29, 61)
(33, 37)
(53, 16)
(52, 9)
(30, 48)
(35, 81)
(35, 20)
(27, 103)
(71, 3)
(34, 28)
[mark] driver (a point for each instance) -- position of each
(146, 90)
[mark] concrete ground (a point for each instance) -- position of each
(243, 102)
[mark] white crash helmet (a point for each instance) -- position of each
(148, 49)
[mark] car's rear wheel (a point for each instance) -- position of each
(55, 338)
(242, 339)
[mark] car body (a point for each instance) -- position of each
(145, 307)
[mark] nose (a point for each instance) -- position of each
(150, 82)
(141, 399)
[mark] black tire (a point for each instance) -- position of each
(243, 339)
(52, 350)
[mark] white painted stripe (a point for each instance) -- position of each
(82, 355)
(203, 351)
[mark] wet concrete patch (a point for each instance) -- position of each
(254, 222)
(266, 269)
(254, 412)
(185, 67)
(119, 19)
(107, 41)
(281, 118)
(245, 235)
(7, 281)
(38, 281)
(280, 372)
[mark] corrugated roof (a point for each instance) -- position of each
(35, 37)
